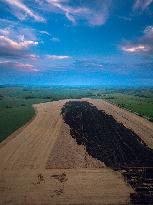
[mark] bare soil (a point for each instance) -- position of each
(66, 154)
(44, 165)
(140, 126)
(112, 143)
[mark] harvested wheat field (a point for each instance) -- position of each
(49, 162)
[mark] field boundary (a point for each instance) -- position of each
(136, 113)
(20, 129)
(130, 111)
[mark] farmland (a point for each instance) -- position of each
(112, 143)
(16, 102)
(57, 158)
(139, 101)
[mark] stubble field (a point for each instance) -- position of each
(43, 164)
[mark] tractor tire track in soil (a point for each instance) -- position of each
(112, 143)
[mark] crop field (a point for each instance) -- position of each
(16, 102)
(112, 143)
(139, 101)
(76, 102)
(85, 151)
(80, 139)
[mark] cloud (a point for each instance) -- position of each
(21, 11)
(5, 31)
(7, 42)
(143, 44)
(93, 12)
(102, 65)
(18, 66)
(67, 63)
(125, 18)
(45, 32)
(135, 48)
(55, 39)
(56, 57)
(15, 41)
(89, 64)
(31, 56)
(148, 32)
(10, 47)
(17, 31)
(26, 67)
(142, 4)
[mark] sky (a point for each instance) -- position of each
(76, 42)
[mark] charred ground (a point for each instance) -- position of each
(112, 143)
(105, 138)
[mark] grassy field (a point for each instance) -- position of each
(139, 101)
(16, 102)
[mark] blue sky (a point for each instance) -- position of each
(76, 42)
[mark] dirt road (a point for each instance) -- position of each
(43, 165)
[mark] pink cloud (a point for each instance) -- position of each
(135, 49)
(7, 42)
(55, 57)
(26, 67)
(15, 48)
(19, 66)
(94, 14)
(32, 56)
(19, 5)
(142, 4)
(143, 44)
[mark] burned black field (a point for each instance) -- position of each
(112, 143)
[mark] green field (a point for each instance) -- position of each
(16, 102)
(139, 101)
